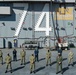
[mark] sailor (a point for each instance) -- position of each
(23, 54)
(48, 58)
(8, 63)
(36, 53)
(70, 58)
(59, 63)
(14, 55)
(32, 63)
(59, 50)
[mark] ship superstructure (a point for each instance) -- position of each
(39, 20)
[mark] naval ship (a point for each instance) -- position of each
(40, 22)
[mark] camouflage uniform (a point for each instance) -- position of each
(32, 63)
(48, 57)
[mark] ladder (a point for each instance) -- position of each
(23, 16)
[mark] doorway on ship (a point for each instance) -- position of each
(4, 43)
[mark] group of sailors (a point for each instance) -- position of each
(35, 58)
